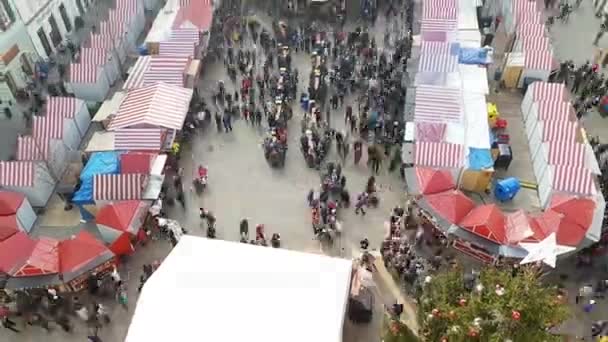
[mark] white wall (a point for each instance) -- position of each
(42, 20)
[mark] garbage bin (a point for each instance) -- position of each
(506, 189)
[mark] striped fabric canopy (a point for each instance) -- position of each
(158, 105)
(554, 130)
(65, 107)
(538, 60)
(438, 104)
(535, 17)
(111, 187)
(524, 9)
(438, 63)
(137, 72)
(441, 154)
(573, 179)
(567, 153)
(540, 43)
(430, 131)
(98, 41)
(182, 42)
(545, 91)
(435, 48)
(112, 28)
(45, 129)
(93, 56)
(27, 149)
(167, 69)
(529, 29)
(555, 110)
(431, 24)
(16, 173)
(84, 73)
(148, 139)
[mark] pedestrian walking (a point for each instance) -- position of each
(362, 200)
(358, 151)
(218, 121)
(227, 120)
(5, 321)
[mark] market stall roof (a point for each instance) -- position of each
(265, 284)
(441, 25)
(27, 148)
(149, 70)
(568, 232)
(438, 154)
(17, 173)
(557, 130)
(138, 139)
(81, 253)
(545, 91)
(438, 104)
(430, 131)
(487, 221)
(14, 250)
(575, 208)
(452, 205)
(431, 181)
(539, 60)
(124, 215)
(117, 241)
(157, 105)
(136, 162)
(109, 187)
(554, 109)
(182, 42)
(42, 260)
(518, 227)
(10, 202)
(566, 153)
(8, 226)
(196, 14)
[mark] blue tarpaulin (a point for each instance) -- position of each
(100, 163)
(480, 159)
(473, 56)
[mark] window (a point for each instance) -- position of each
(7, 16)
(45, 42)
(65, 18)
(55, 34)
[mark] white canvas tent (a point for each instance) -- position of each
(31, 178)
(276, 293)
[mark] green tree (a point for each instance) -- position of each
(500, 306)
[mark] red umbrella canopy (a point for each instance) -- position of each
(78, 251)
(576, 209)
(43, 259)
(119, 215)
(10, 202)
(452, 205)
(14, 250)
(566, 232)
(487, 221)
(432, 181)
(8, 226)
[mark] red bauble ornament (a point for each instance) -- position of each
(515, 315)
(435, 312)
(444, 339)
(462, 302)
(473, 332)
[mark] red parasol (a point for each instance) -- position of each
(432, 181)
(487, 221)
(452, 205)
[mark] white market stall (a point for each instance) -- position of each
(302, 296)
(108, 109)
(565, 179)
(88, 82)
(549, 110)
(548, 131)
(565, 153)
(543, 91)
(31, 178)
(70, 108)
(102, 59)
(51, 151)
(114, 41)
(56, 127)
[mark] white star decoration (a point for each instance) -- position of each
(545, 251)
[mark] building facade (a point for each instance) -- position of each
(31, 31)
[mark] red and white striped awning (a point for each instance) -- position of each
(567, 153)
(93, 56)
(176, 48)
(431, 24)
(523, 9)
(430, 131)
(535, 17)
(438, 63)
(545, 91)
(441, 154)
(529, 29)
(84, 73)
(436, 12)
(438, 104)
(27, 149)
(16, 173)
(128, 7)
(103, 42)
(538, 60)
(435, 48)
(572, 179)
(141, 139)
(47, 128)
(555, 110)
(157, 105)
(540, 43)
(555, 130)
(111, 187)
(167, 69)
(137, 73)
(65, 107)
(112, 28)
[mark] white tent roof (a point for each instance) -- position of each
(225, 291)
